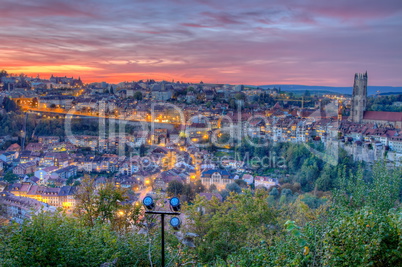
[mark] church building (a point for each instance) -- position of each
(358, 112)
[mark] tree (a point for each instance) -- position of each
(35, 102)
(3, 73)
(9, 105)
(199, 187)
(286, 192)
(86, 206)
(212, 188)
(188, 192)
(309, 173)
(240, 96)
(10, 177)
(274, 192)
(51, 239)
(380, 193)
(324, 182)
(241, 183)
(175, 188)
(363, 238)
(233, 187)
(102, 204)
(225, 194)
(108, 198)
(138, 96)
(226, 227)
(232, 103)
(286, 196)
(142, 150)
(312, 201)
(360, 225)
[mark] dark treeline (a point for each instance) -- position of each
(384, 103)
(12, 123)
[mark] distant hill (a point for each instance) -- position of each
(371, 90)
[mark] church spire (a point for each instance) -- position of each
(359, 97)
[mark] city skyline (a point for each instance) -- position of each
(280, 42)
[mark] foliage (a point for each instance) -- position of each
(364, 238)
(264, 98)
(175, 188)
(359, 224)
(384, 103)
(57, 240)
(307, 170)
(12, 123)
(138, 96)
(243, 219)
(104, 203)
(10, 177)
(233, 187)
(3, 73)
(380, 193)
(241, 183)
(9, 105)
(199, 187)
(185, 190)
(212, 188)
(312, 201)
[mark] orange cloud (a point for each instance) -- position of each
(45, 69)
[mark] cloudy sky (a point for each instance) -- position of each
(238, 42)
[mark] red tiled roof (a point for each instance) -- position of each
(14, 147)
(277, 106)
(382, 115)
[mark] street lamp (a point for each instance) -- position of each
(174, 206)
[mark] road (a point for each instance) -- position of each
(143, 193)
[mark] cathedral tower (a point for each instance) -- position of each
(359, 97)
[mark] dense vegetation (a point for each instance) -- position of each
(303, 171)
(12, 123)
(384, 103)
(359, 224)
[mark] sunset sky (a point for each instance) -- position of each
(237, 42)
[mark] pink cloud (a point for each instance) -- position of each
(227, 42)
(194, 25)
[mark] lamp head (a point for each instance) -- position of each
(148, 202)
(175, 223)
(175, 204)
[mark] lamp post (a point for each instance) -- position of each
(175, 221)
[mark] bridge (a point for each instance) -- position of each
(141, 122)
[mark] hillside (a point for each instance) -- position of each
(372, 90)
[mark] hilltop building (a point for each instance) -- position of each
(359, 103)
(359, 97)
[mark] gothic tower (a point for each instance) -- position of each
(359, 97)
